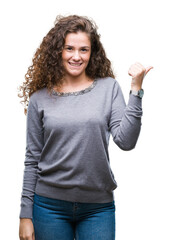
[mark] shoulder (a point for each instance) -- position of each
(38, 96)
(108, 83)
(108, 80)
(110, 88)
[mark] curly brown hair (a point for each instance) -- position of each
(47, 69)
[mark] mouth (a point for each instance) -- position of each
(75, 64)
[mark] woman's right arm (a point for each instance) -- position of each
(34, 145)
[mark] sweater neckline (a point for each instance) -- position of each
(75, 93)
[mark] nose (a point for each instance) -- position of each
(76, 56)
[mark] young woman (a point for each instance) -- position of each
(74, 104)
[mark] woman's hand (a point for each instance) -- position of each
(138, 72)
(26, 229)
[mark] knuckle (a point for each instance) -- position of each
(24, 237)
(143, 70)
(28, 236)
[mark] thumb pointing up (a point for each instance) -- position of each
(137, 71)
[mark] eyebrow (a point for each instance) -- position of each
(80, 47)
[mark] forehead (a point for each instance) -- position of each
(79, 38)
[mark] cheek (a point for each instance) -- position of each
(87, 58)
(65, 56)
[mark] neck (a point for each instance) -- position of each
(75, 81)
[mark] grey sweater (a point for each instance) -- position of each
(67, 139)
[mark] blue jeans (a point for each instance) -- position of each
(63, 220)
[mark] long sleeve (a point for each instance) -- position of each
(67, 154)
(34, 145)
(125, 121)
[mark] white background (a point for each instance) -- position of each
(130, 31)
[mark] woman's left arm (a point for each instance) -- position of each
(125, 120)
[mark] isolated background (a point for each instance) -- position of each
(130, 31)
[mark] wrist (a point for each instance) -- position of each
(138, 93)
(136, 88)
(25, 219)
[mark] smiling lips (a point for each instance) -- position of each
(75, 64)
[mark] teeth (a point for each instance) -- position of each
(75, 64)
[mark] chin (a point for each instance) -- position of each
(74, 74)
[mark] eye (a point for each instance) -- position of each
(68, 48)
(84, 50)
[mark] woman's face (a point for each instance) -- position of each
(76, 53)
